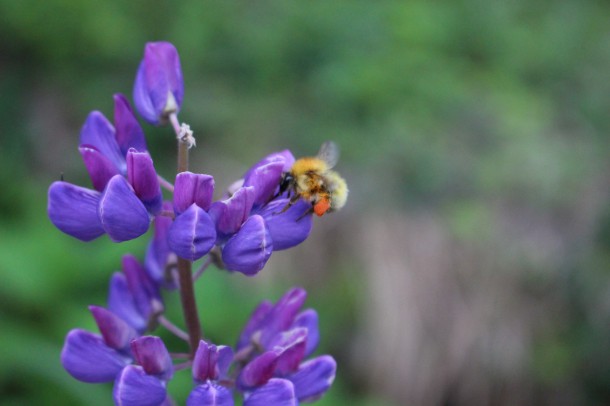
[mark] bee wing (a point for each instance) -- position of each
(329, 153)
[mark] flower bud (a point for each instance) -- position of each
(159, 88)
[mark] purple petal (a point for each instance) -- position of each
(116, 332)
(143, 290)
(143, 177)
(249, 250)
(100, 168)
(122, 303)
(99, 133)
(289, 228)
(309, 320)
(159, 87)
(192, 234)
(168, 401)
(87, 358)
(122, 214)
(254, 324)
(150, 352)
(265, 179)
(210, 394)
(277, 392)
(281, 317)
(314, 377)
(192, 188)
(230, 214)
(129, 133)
(211, 361)
(292, 344)
(258, 371)
(204, 363)
(284, 156)
(225, 358)
(142, 99)
(73, 209)
(133, 387)
(158, 252)
(163, 65)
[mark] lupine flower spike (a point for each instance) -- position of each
(270, 363)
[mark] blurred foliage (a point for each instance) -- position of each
(440, 105)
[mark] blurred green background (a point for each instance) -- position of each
(471, 265)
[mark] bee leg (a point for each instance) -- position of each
(292, 201)
(305, 213)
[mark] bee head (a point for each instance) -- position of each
(285, 182)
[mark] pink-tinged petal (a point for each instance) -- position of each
(314, 377)
(289, 228)
(277, 392)
(122, 214)
(210, 394)
(193, 188)
(73, 209)
(211, 361)
(158, 252)
(129, 133)
(258, 371)
(309, 319)
(99, 133)
(143, 178)
(292, 343)
(266, 180)
(159, 86)
(122, 303)
(143, 290)
(281, 317)
(133, 387)
(192, 234)
(249, 250)
(100, 168)
(116, 332)
(150, 352)
(230, 214)
(87, 358)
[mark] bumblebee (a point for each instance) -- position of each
(313, 179)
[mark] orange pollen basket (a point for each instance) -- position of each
(321, 207)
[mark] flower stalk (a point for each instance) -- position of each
(185, 273)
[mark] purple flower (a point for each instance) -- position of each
(192, 234)
(159, 88)
(120, 207)
(159, 257)
(108, 357)
(133, 304)
(134, 296)
(104, 148)
(210, 367)
(273, 345)
(146, 383)
(97, 358)
(276, 392)
(249, 224)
